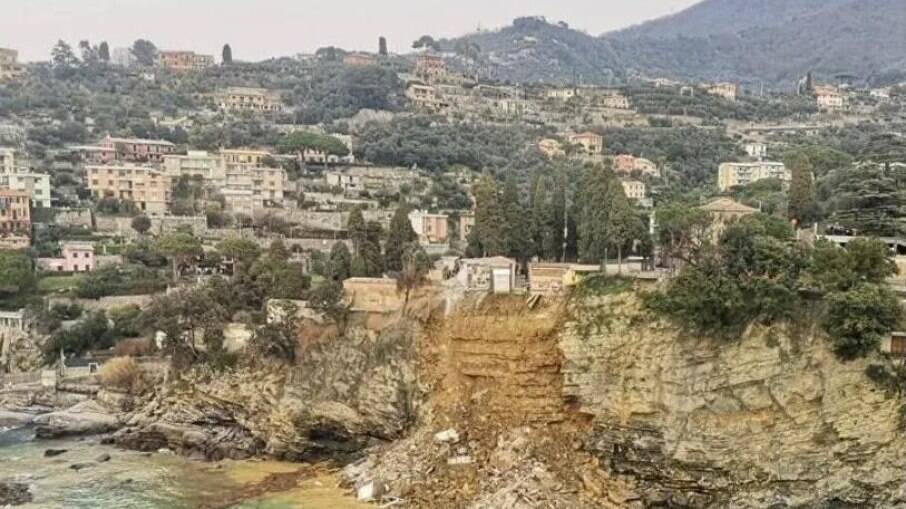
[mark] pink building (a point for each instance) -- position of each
(77, 257)
(137, 149)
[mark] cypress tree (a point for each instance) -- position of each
(104, 52)
(490, 223)
(399, 235)
(517, 223)
(358, 233)
(227, 54)
(803, 207)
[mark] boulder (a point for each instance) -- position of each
(50, 453)
(86, 418)
(14, 493)
(103, 458)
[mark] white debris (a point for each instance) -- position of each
(449, 436)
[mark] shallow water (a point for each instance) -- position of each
(132, 480)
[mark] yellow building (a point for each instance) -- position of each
(244, 157)
(258, 100)
(730, 175)
(148, 188)
(634, 189)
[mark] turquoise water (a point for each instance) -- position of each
(130, 480)
(133, 480)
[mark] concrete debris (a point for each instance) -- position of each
(449, 436)
(460, 460)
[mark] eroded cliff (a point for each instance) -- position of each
(772, 419)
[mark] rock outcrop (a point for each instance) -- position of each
(770, 420)
(14, 493)
(342, 395)
(85, 418)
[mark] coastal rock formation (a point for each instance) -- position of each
(14, 493)
(342, 395)
(770, 420)
(85, 418)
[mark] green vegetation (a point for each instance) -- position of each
(755, 272)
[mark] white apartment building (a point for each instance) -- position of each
(730, 175)
(756, 150)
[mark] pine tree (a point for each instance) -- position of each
(398, 236)
(490, 226)
(227, 54)
(803, 207)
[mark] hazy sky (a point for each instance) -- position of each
(258, 29)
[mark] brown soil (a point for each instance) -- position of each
(493, 371)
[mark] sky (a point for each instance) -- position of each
(259, 29)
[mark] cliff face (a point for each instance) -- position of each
(341, 396)
(766, 421)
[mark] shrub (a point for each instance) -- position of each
(134, 347)
(124, 374)
(858, 319)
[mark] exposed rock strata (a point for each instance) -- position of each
(341, 396)
(766, 421)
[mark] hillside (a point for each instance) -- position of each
(533, 50)
(774, 41)
(858, 37)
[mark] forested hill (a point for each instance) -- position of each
(747, 41)
(770, 40)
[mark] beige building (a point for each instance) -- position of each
(15, 213)
(148, 188)
(240, 176)
(426, 97)
(591, 143)
(184, 60)
(430, 228)
(730, 175)
(625, 163)
(10, 68)
(723, 211)
(36, 185)
(197, 163)
(257, 100)
(725, 90)
(244, 157)
(829, 98)
(561, 94)
(430, 68)
(7, 160)
(360, 59)
(615, 102)
(634, 189)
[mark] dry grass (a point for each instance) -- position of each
(135, 347)
(124, 374)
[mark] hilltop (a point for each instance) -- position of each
(734, 40)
